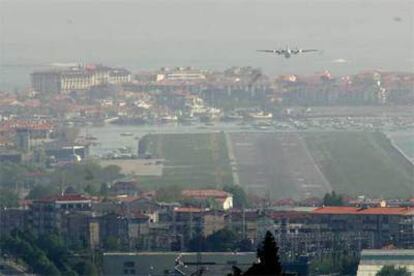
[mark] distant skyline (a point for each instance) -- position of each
(210, 34)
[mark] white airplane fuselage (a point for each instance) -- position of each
(287, 53)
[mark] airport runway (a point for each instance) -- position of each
(277, 166)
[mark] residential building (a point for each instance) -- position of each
(174, 263)
(372, 261)
(46, 82)
(60, 151)
(80, 78)
(46, 214)
(180, 74)
(386, 225)
(223, 199)
(125, 187)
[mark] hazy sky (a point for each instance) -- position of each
(354, 35)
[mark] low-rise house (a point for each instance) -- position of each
(125, 187)
(189, 222)
(222, 198)
(245, 223)
(46, 214)
(143, 206)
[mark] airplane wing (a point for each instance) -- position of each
(271, 51)
(266, 51)
(308, 50)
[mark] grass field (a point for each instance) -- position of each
(280, 165)
(358, 163)
(191, 160)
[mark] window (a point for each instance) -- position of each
(129, 264)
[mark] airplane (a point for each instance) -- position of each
(288, 52)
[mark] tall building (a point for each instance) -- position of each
(46, 81)
(23, 139)
(80, 78)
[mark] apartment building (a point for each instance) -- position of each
(80, 78)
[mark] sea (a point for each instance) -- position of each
(111, 137)
(352, 36)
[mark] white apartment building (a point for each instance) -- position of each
(79, 78)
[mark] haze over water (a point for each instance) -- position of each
(211, 34)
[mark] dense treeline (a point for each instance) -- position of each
(86, 177)
(223, 240)
(45, 255)
(333, 199)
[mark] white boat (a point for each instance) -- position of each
(110, 120)
(169, 118)
(260, 115)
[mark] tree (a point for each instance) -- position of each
(91, 189)
(222, 240)
(197, 243)
(267, 254)
(245, 245)
(104, 190)
(111, 243)
(389, 270)
(42, 191)
(239, 196)
(170, 193)
(8, 198)
(344, 265)
(86, 176)
(21, 245)
(110, 173)
(12, 175)
(332, 199)
(86, 268)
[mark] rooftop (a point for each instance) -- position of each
(189, 210)
(27, 124)
(70, 197)
(205, 193)
(388, 257)
(364, 211)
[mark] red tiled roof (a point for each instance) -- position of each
(127, 198)
(34, 174)
(25, 202)
(388, 211)
(188, 210)
(205, 193)
(74, 197)
(38, 125)
(364, 211)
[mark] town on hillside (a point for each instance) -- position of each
(182, 170)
